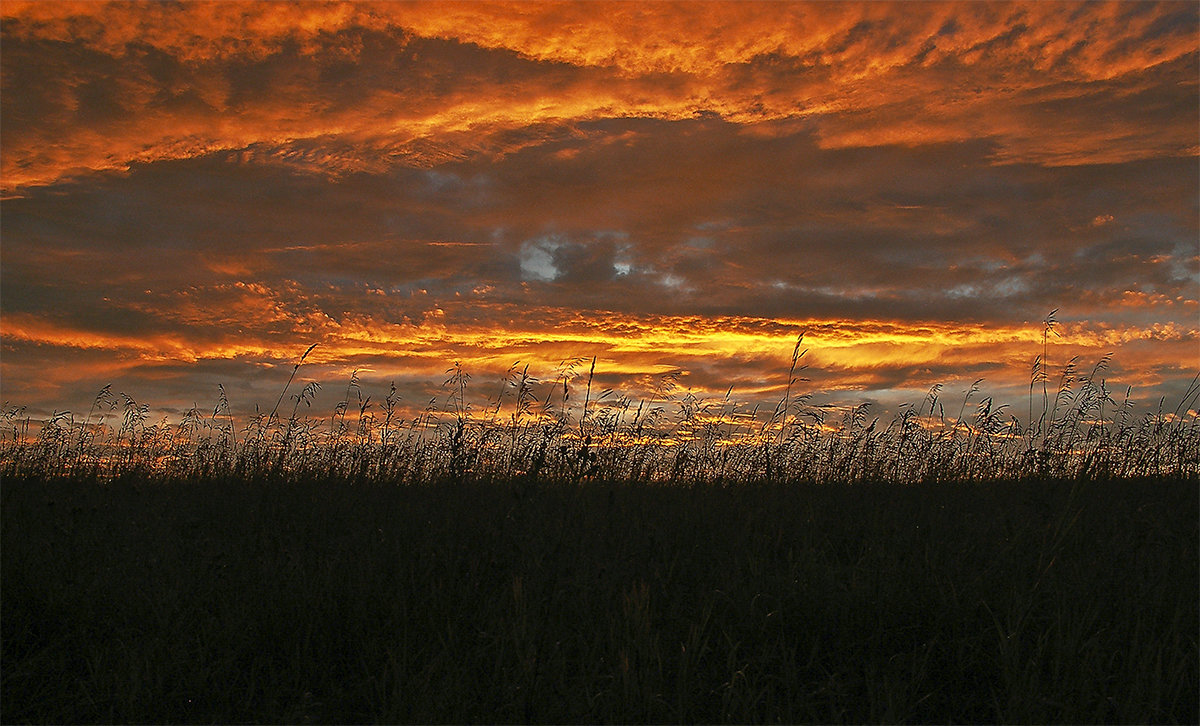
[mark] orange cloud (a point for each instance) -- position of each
(875, 75)
(716, 351)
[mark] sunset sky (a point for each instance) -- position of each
(194, 193)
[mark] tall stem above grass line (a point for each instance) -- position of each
(786, 404)
(587, 397)
(1048, 324)
(295, 368)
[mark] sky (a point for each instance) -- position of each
(194, 193)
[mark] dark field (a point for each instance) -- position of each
(306, 600)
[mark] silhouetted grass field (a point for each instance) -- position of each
(677, 561)
(308, 600)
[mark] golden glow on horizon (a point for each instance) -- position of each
(847, 355)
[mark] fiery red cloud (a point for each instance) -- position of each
(195, 192)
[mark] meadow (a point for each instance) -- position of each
(670, 560)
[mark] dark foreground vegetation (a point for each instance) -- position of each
(300, 599)
(562, 554)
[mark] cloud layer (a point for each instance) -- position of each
(193, 193)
